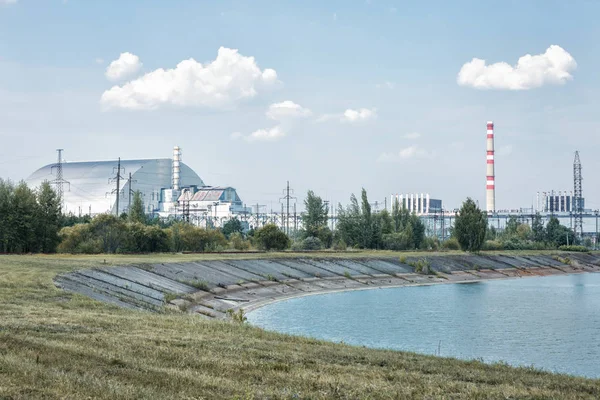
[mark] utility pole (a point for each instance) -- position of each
(257, 216)
(59, 181)
(295, 221)
(131, 191)
(117, 179)
(287, 199)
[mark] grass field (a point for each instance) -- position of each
(55, 344)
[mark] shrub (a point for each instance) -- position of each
(421, 266)
(239, 316)
(311, 243)
(238, 242)
(430, 243)
(340, 245)
(573, 248)
(397, 241)
(492, 245)
(270, 237)
(451, 244)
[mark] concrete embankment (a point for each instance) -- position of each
(210, 288)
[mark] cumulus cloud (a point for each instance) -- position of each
(287, 109)
(412, 135)
(231, 77)
(385, 85)
(266, 135)
(362, 114)
(125, 66)
(404, 154)
(553, 68)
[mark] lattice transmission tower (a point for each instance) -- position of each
(59, 181)
(578, 197)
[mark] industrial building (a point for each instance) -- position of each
(557, 202)
(91, 187)
(420, 204)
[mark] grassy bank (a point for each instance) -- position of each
(55, 344)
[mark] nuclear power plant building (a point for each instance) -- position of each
(90, 187)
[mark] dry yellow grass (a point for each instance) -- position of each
(59, 345)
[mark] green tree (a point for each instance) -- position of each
(366, 222)
(7, 231)
(315, 215)
(511, 226)
(270, 237)
(537, 229)
(470, 226)
(232, 226)
(348, 223)
(24, 211)
(557, 234)
(136, 210)
(49, 219)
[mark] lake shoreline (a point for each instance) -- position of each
(447, 278)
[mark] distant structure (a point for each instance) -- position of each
(556, 202)
(490, 176)
(420, 204)
(578, 197)
(161, 182)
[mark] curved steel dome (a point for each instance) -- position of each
(92, 190)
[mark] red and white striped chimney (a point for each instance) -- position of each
(491, 178)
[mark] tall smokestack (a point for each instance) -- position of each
(491, 177)
(176, 167)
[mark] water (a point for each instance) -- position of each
(552, 323)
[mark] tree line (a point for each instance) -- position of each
(31, 221)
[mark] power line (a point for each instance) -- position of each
(287, 199)
(59, 181)
(117, 178)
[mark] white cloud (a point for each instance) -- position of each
(385, 85)
(266, 135)
(362, 114)
(8, 1)
(404, 154)
(125, 66)
(221, 83)
(412, 135)
(287, 109)
(552, 67)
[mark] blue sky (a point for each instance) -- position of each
(398, 62)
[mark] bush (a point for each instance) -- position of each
(451, 244)
(492, 245)
(421, 266)
(573, 248)
(397, 241)
(238, 242)
(430, 243)
(186, 237)
(340, 245)
(311, 243)
(270, 237)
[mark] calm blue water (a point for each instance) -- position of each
(551, 323)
